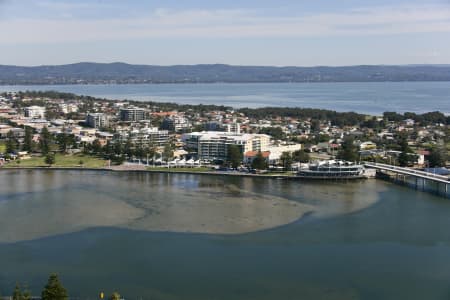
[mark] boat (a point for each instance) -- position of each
(334, 169)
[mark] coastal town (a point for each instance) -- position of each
(43, 129)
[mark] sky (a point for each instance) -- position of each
(244, 32)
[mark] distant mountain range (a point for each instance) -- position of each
(125, 73)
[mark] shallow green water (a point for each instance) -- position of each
(359, 240)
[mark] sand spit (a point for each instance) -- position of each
(220, 212)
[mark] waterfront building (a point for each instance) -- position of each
(332, 169)
(145, 137)
(35, 112)
(251, 155)
(214, 144)
(275, 152)
(132, 114)
(97, 120)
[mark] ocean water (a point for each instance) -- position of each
(367, 97)
(362, 240)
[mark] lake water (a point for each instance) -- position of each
(171, 236)
(367, 97)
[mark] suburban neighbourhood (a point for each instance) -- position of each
(58, 129)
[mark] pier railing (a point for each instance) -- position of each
(408, 171)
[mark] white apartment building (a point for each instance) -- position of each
(97, 120)
(175, 123)
(68, 108)
(132, 114)
(233, 127)
(149, 136)
(35, 112)
(214, 144)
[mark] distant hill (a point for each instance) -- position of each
(126, 73)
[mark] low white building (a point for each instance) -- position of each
(367, 145)
(276, 151)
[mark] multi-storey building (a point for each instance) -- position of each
(35, 112)
(68, 108)
(97, 120)
(132, 114)
(214, 145)
(213, 126)
(175, 123)
(233, 127)
(149, 136)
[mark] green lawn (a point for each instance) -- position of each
(61, 161)
(2, 147)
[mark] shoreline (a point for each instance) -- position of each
(218, 173)
(214, 173)
(278, 176)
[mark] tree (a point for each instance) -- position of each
(167, 152)
(259, 162)
(62, 141)
(286, 160)
(11, 142)
(50, 158)
(139, 152)
(150, 150)
(115, 296)
(117, 148)
(26, 294)
(44, 141)
(437, 157)
(315, 125)
(348, 150)
(128, 149)
(28, 140)
(17, 294)
(65, 141)
(404, 158)
(276, 132)
(96, 146)
(54, 290)
(300, 156)
(234, 156)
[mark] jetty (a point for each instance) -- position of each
(420, 180)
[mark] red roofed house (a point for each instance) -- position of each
(249, 156)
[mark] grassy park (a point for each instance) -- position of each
(61, 160)
(2, 147)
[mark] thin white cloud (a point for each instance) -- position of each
(71, 5)
(163, 23)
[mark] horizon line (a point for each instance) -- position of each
(230, 65)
